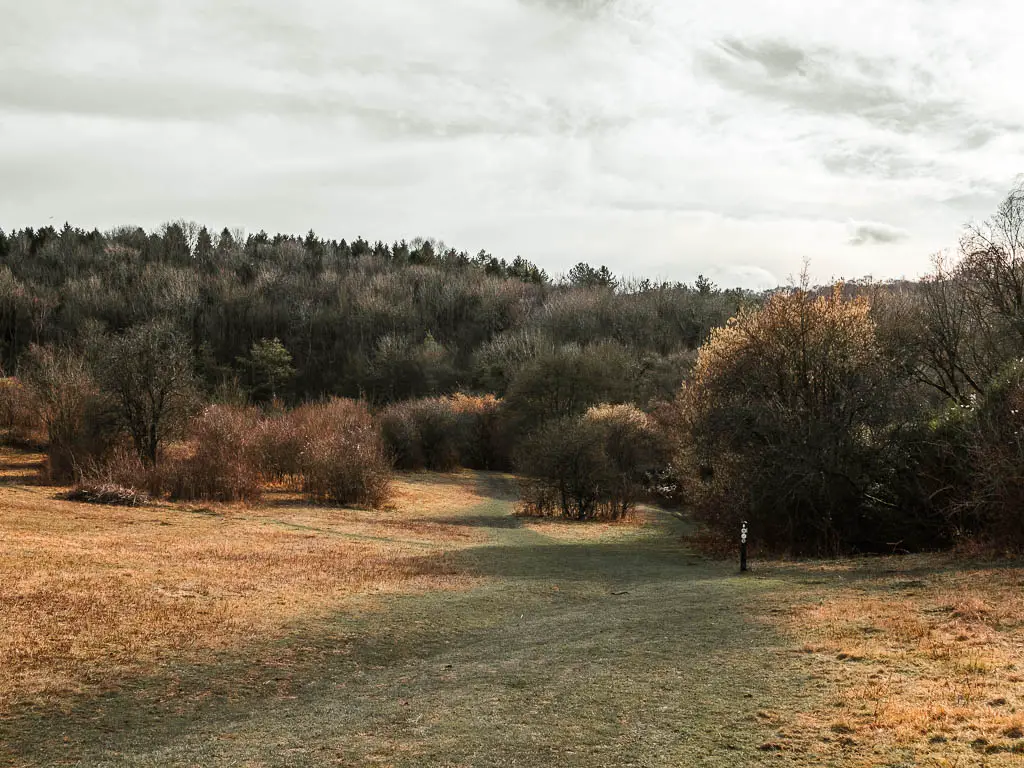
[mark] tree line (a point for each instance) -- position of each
(382, 322)
(858, 417)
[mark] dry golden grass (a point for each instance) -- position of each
(920, 653)
(434, 494)
(590, 530)
(94, 593)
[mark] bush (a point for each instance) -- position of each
(987, 437)
(343, 460)
(20, 419)
(280, 441)
(788, 423)
(567, 381)
(117, 477)
(565, 469)
(400, 429)
(593, 466)
(423, 434)
(79, 424)
(442, 433)
(635, 454)
(224, 462)
(482, 430)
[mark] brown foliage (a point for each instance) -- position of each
(785, 419)
(331, 451)
(19, 415)
(224, 460)
(442, 433)
(482, 427)
(343, 459)
(71, 408)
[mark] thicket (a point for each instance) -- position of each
(595, 465)
(442, 433)
(332, 452)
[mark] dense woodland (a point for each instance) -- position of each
(358, 320)
(863, 416)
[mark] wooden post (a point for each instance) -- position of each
(743, 547)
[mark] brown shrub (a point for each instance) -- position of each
(485, 439)
(593, 466)
(224, 461)
(343, 459)
(442, 433)
(119, 467)
(20, 419)
(280, 441)
(635, 453)
(423, 433)
(76, 417)
(401, 434)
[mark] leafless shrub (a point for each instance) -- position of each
(71, 407)
(343, 459)
(20, 419)
(423, 433)
(592, 466)
(224, 461)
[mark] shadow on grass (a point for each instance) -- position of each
(146, 713)
(884, 574)
(21, 471)
(474, 520)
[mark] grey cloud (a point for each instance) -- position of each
(875, 233)
(124, 97)
(475, 110)
(877, 161)
(778, 59)
(823, 82)
(979, 199)
(982, 134)
(578, 8)
(183, 100)
(749, 275)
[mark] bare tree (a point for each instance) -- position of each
(149, 372)
(993, 260)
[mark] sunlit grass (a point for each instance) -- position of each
(91, 593)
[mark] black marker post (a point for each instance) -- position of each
(743, 547)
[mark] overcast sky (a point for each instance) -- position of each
(659, 137)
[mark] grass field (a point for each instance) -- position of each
(446, 632)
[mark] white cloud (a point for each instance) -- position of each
(657, 138)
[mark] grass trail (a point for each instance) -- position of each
(572, 646)
(624, 650)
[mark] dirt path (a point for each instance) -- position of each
(620, 650)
